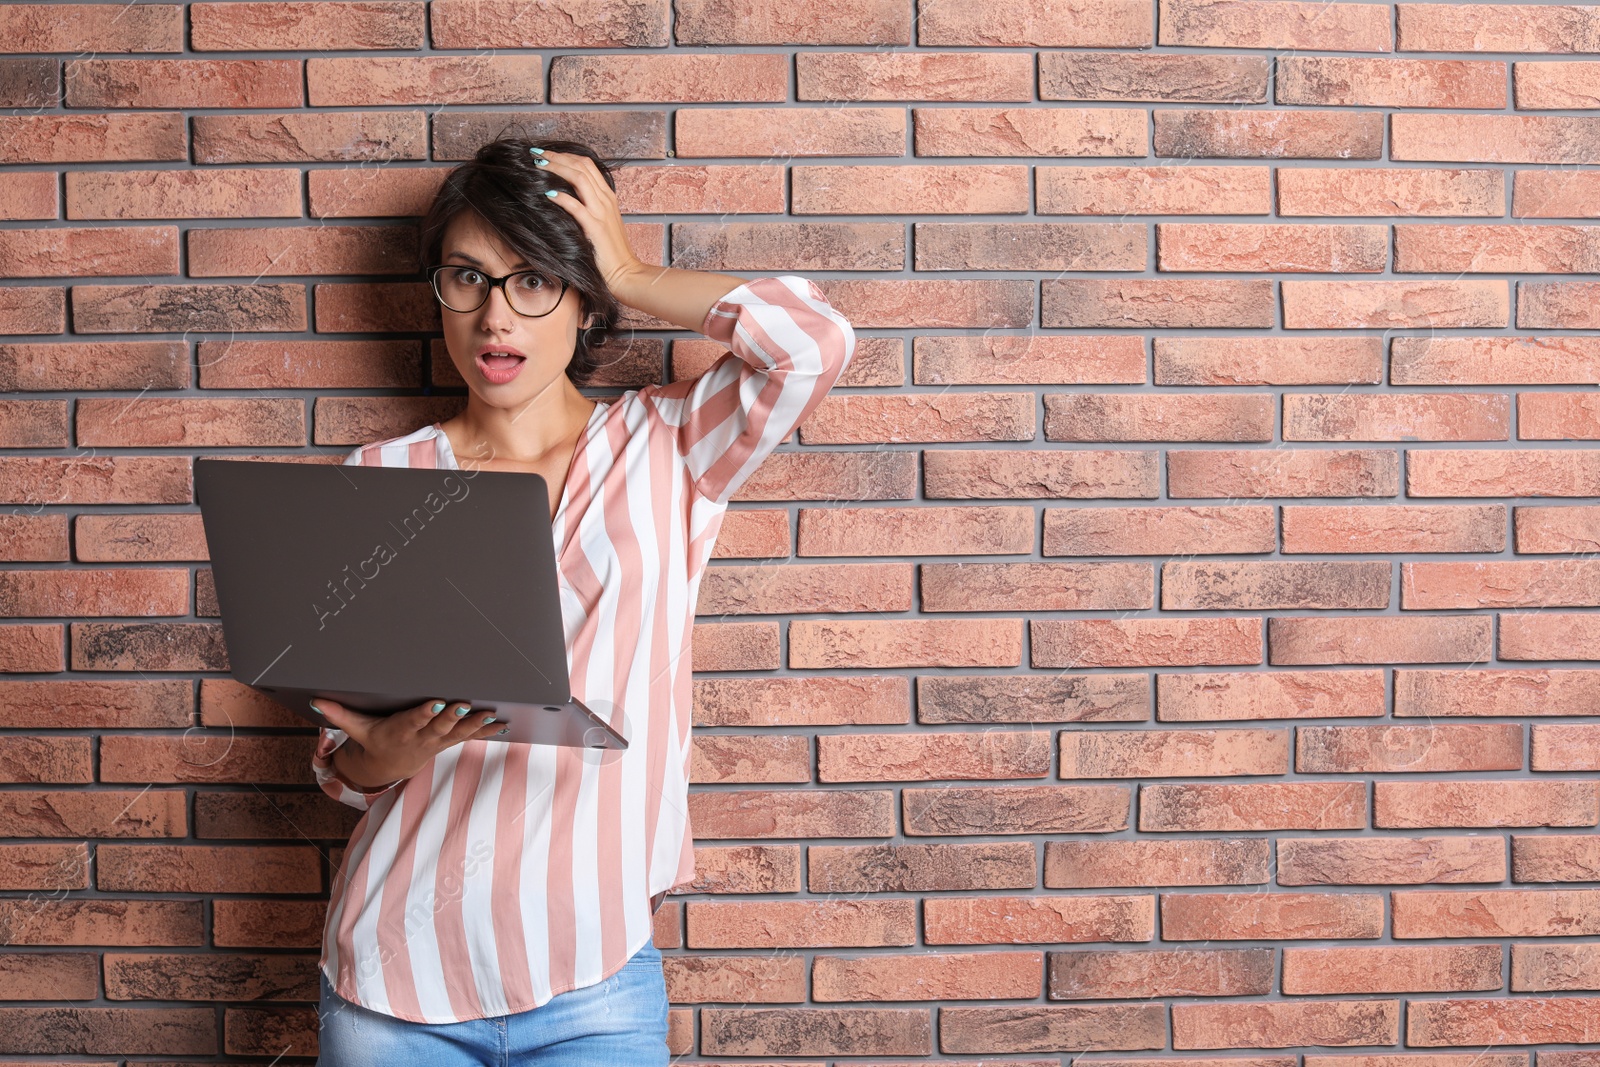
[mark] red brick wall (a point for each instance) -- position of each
(1171, 641)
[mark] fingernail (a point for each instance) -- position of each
(541, 162)
(437, 708)
(502, 730)
(463, 711)
(315, 708)
(551, 193)
(489, 720)
(537, 151)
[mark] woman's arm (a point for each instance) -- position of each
(681, 297)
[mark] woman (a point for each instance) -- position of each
(496, 899)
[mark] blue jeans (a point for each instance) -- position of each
(619, 1021)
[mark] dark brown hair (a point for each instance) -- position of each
(506, 190)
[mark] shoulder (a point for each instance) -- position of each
(395, 451)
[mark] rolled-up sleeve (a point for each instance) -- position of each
(328, 739)
(787, 347)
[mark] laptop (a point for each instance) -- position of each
(386, 587)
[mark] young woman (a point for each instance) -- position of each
(495, 901)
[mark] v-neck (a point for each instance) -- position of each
(558, 522)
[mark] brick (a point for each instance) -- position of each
(755, 813)
(737, 646)
(1199, 697)
(1284, 1024)
(467, 24)
(1503, 472)
(1556, 858)
(1157, 303)
(95, 251)
(1274, 584)
(1561, 360)
(1395, 528)
(1494, 28)
(734, 979)
(1393, 861)
(1378, 639)
(117, 422)
(1278, 134)
(1090, 974)
(33, 538)
(33, 309)
(1549, 968)
(1566, 747)
(248, 27)
(1172, 753)
(177, 308)
(930, 417)
(87, 28)
(1516, 1021)
(888, 757)
(1492, 913)
(801, 701)
(1511, 583)
(153, 646)
(1253, 806)
(1552, 196)
(770, 22)
(1388, 749)
(1285, 472)
(123, 591)
(862, 76)
(1437, 303)
(207, 869)
(1034, 246)
(790, 131)
(1051, 474)
(1030, 698)
(1173, 190)
(1039, 23)
(1134, 76)
(800, 923)
(796, 588)
(1037, 919)
(1549, 635)
(105, 138)
(1036, 586)
(1396, 417)
(1493, 138)
(745, 869)
(1557, 417)
(1112, 531)
(33, 424)
(734, 245)
(1483, 248)
(1268, 360)
(1046, 809)
(143, 365)
(1275, 915)
(1144, 642)
(1029, 131)
(1292, 25)
(32, 647)
(1124, 864)
(1494, 692)
(912, 188)
(920, 868)
(37, 480)
(1412, 83)
(905, 643)
(1274, 247)
(725, 760)
(815, 1031)
(310, 365)
(990, 975)
(1063, 1028)
(183, 83)
(1029, 359)
(871, 475)
(1391, 191)
(1385, 969)
(1486, 803)
(1177, 417)
(307, 137)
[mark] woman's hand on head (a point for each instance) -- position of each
(598, 212)
(400, 744)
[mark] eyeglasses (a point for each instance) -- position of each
(464, 289)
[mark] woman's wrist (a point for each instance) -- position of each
(356, 771)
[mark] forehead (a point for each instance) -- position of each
(466, 240)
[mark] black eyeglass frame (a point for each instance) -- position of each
(433, 283)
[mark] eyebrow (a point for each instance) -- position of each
(475, 263)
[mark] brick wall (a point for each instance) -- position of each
(1172, 640)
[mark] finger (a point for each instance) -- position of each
(470, 724)
(572, 204)
(422, 717)
(581, 172)
(444, 724)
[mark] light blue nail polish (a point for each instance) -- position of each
(315, 708)
(437, 708)
(489, 720)
(551, 193)
(463, 711)
(537, 151)
(541, 162)
(503, 729)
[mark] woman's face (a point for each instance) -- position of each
(546, 342)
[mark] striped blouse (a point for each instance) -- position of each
(502, 874)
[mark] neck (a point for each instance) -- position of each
(523, 434)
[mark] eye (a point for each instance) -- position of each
(531, 282)
(468, 276)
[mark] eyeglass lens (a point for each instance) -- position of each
(465, 289)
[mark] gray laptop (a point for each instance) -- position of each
(384, 587)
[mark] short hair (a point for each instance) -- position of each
(506, 190)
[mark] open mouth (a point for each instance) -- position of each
(499, 367)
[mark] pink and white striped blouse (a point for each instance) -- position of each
(502, 874)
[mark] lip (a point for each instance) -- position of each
(497, 376)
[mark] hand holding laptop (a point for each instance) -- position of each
(399, 744)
